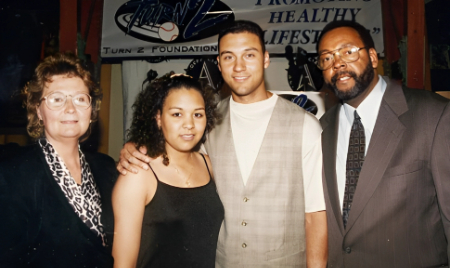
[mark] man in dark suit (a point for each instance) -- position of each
(386, 156)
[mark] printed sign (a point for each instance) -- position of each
(312, 102)
(147, 28)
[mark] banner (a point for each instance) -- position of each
(148, 28)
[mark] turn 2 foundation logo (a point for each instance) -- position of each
(166, 21)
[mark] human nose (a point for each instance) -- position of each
(69, 107)
(239, 65)
(188, 123)
(338, 62)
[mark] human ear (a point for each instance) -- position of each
(218, 63)
(38, 112)
(266, 60)
(158, 118)
(373, 57)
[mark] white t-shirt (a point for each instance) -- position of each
(249, 123)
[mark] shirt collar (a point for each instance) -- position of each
(369, 107)
(254, 109)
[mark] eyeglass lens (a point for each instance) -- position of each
(57, 99)
(347, 54)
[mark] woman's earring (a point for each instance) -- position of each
(165, 159)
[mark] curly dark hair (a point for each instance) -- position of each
(59, 64)
(144, 130)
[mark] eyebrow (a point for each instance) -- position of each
(327, 50)
(247, 49)
(178, 108)
(74, 94)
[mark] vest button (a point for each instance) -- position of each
(245, 199)
(244, 245)
(244, 223)
(348, 250)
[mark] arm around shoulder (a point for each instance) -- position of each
(131, 159)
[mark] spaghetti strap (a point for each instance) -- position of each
(204, 159)
(153, 172)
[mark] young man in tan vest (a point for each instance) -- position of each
(267, 162)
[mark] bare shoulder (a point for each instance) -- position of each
(138, 186)
(208, 161)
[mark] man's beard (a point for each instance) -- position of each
(361, 83)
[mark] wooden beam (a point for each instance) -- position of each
(116, 135)
(416, 44)
(91, 26)
(105, 84)
(68, 25)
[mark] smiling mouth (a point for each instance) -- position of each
(188, 137)
(344, 78)
(240, 78)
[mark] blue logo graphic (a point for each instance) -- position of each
(302, 101)
(166, 21)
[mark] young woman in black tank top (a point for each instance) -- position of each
(170, 214)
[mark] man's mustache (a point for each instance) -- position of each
(341, 73)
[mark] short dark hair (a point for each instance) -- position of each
(59, 64)
(364, 34)
(144, 130)
(243, 26)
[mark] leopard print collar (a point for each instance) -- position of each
(85, 199)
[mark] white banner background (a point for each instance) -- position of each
(286, 22)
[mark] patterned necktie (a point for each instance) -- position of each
(355, 160)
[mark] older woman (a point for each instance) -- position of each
(55, 199)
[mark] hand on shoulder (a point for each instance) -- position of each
(132, 159)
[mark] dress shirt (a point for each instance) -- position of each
(368, 111)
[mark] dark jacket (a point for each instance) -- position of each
(9, 150)
(38, 226)
(400, 215)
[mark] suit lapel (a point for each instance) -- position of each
(55, 190)
(330, 125)
(387, 133)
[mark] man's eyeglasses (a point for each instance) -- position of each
(347, 54)
(57, 100)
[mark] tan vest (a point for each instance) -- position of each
(264, 220)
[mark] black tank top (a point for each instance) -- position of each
(181, 226)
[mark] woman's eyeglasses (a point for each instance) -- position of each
(57, 100)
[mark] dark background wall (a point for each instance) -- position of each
(28, 31)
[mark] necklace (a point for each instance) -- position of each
(187, 182)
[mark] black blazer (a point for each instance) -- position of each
(9, 150)
(38, 227)
(400, 216)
